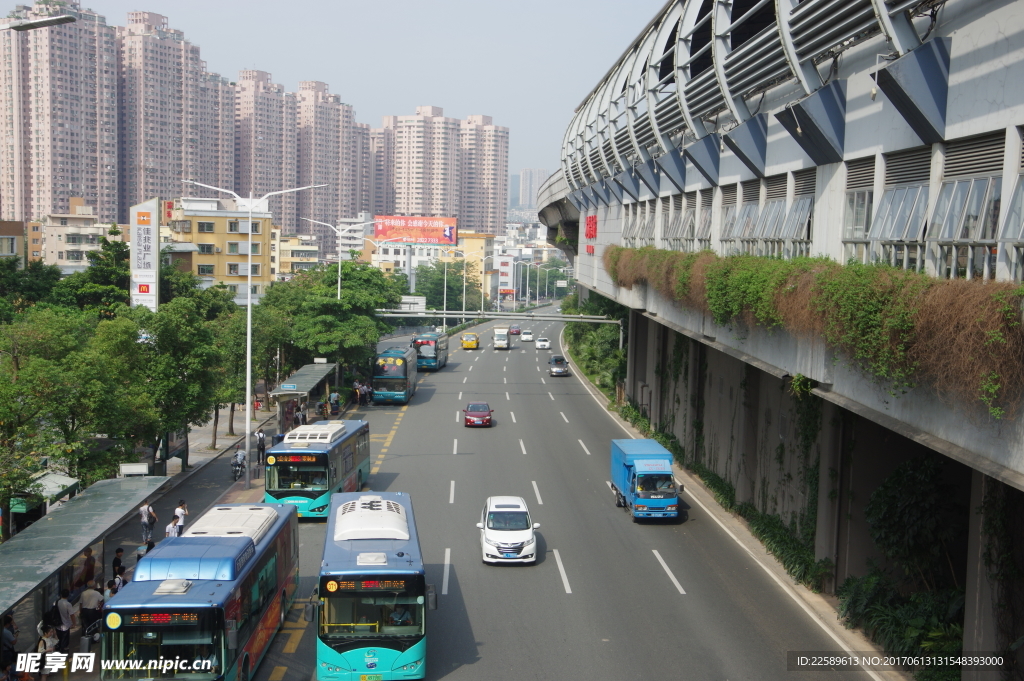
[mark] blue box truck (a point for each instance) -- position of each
(642, 479)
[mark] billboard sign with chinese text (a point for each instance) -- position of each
(144, 286)
(416, 230)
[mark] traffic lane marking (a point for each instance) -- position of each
(588, 451)
(540, 502)
(513, 416)
(522, 447)
(671, 576)
(561, 571)
(563, 416)
(447, 567)
(451, 494)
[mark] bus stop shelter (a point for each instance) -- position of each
(65, 549)
(295, 392)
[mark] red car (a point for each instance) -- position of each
(478, 414)
(514, 330)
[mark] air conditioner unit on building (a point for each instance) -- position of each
(216, 249)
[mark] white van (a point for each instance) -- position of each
(502, 339)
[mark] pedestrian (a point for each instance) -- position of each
(118, 554)
(261, 446)
(67, 621)
(334, 397)
(48, 642)
(89, 604)
(364, 394)
(357, 395)
(111, 589)
(172, 528)
(9, 637)
(296, 420)
(120, 578)
(149, 519)
(302, 414)
(180, 512)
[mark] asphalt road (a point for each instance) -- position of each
(608, 598)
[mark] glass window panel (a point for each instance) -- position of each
(704, 231)
(956, 209)
(728, 221)
(899, 218)
(850, 216)
(688, 220)
(894, 209)
(941, 208)
(796, 221)
(1015, 218)
(972, 213)
(747, 220)
(883, 210)
(990, 214)
(915, 225)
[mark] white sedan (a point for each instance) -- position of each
(527, 336)
(543, 344)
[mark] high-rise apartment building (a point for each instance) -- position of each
(320, 118)
(59, 98)
(176, 120)
(483, 170)
(530, 180)
(382, 172)
(426, 167)
(362, 169)
(266, 144)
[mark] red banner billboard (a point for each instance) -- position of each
(417, 230)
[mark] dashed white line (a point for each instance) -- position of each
(522, 447)
(561, 570)
(505, 379)
(470, 367)
(506, 359)
(451, 494)
(477, 359)
(460, 395)
(585, 449)
(551, 396)
(669, 572)
(504, 368)
(536, 491)
(447, 567)
(538, 368)
(543, 381)
(456, 416)
(563, 416)
(507, 397)
(513, 416)
(455, 446)
(464, 378)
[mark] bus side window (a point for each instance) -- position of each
(347, 458)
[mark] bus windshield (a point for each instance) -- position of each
(151, 636)
(374, 607)
(390, 385)
(297, 476)
(426, 348)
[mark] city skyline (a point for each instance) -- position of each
(365, 73)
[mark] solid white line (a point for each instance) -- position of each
(447, 566)
(561, 569)
(507, 397)
(561, 412)
(455, 446)
(585, 448)
(451, 494)
(513, 416)
(464, 378)
(536, 491)
(603, 405)
(669, 572)
(551, 396)
(522, 447)
(792, 594)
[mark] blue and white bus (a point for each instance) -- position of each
(372, 598)
(394, 376)
(431, 350)
(206, 605)
(315, 461)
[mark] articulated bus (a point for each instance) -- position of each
(431, 350)
(206, 605)
(394, 376)
(315, 461)
(371, 600)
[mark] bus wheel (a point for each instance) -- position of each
(245, 671)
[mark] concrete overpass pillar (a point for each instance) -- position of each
(980, 632)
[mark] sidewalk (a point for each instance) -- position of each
(199, 452)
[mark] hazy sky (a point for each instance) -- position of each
(526, 63)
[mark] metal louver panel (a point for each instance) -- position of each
(908, 167)
(751, 191)
(975, 156)
(705, 199)
(691, 200)
(677, 203)
(860, 173)
(776, 187)
(804, 182)
(729, 195)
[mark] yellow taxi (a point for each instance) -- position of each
(470, 341)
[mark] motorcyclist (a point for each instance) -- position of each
(238, 462)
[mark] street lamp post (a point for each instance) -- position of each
(444, 316)
(248, 311)
(338, 231)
